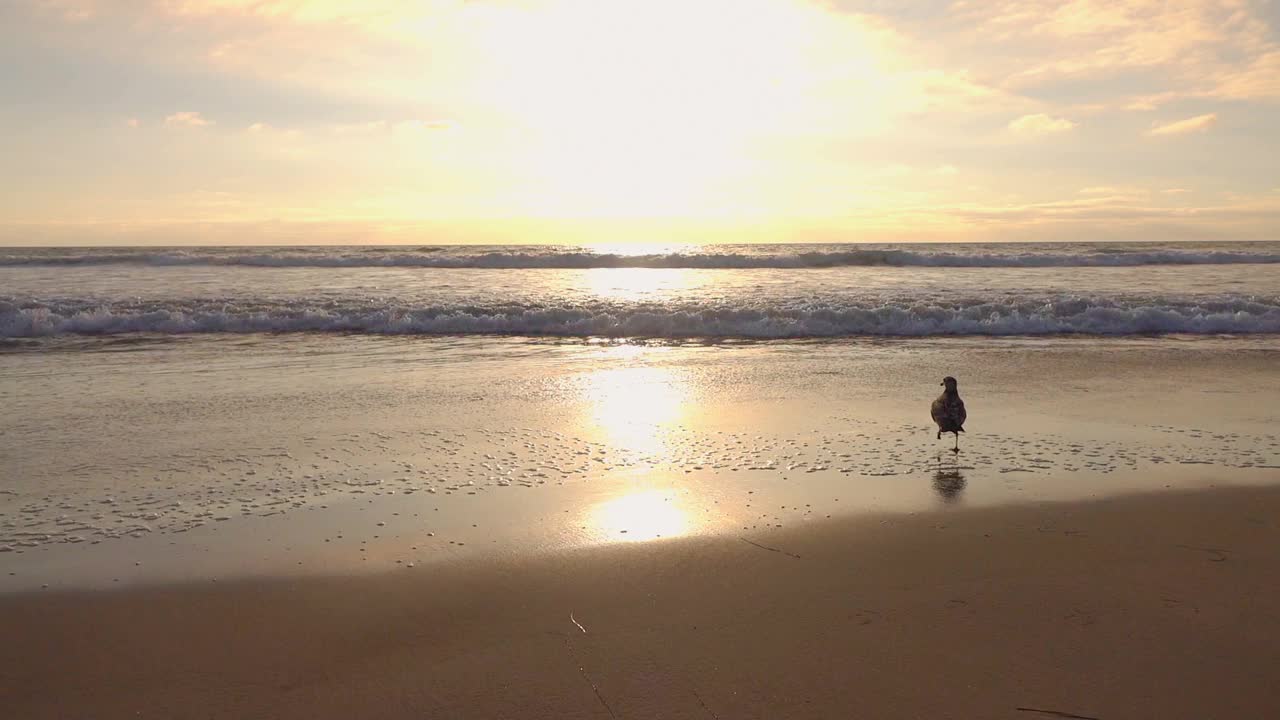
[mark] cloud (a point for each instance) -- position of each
(1199, 123)
(1175, 191)
(1259, 79)
(186, 119)
(1151, 102)
(903, 170)
(1110, 190)
(483, 62)
(74, 11)
(1260, 212)
(372, 126)
(1107, 194)
(1040, 124)
(1136, 53)
(218, 218)
(369, 13)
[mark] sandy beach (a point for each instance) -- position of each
(1148, 606)
(343, 523)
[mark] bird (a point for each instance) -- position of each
(948, 411)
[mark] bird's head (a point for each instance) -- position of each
(949, 382)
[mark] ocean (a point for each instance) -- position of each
(718, 292)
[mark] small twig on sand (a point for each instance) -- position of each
(1056, 713)
(703, 704)
(575, 622)
(765, 547)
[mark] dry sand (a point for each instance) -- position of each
(1150, 606)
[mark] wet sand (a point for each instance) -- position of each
(1159, 605)
(295, 456)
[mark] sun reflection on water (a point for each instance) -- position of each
(632, 408)
(633, 404)
(641, 516)
(638, 284)
(634, 249)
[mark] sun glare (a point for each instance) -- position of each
(642, 516)
(649, 109)
(635, 284)
(633, 407)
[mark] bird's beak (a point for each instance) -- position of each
(942, 383)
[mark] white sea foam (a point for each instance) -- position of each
(1040, 315)
(710, 257)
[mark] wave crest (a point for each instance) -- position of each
(569, 259)
(1050, 315)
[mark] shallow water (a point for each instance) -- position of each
(151, 458)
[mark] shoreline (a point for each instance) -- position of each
(289, 453)
(1149, 605)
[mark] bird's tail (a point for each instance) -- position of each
(960, 429)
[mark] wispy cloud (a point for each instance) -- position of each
(1260, 78)
(1112, 190)
(1151, 102)
(186, 119)
(1199, 123)
(1040, 124)
(71, 10)
(1185, 49)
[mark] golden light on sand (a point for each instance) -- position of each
(641, 516)
(632, 407)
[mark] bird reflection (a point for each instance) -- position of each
(949, 483)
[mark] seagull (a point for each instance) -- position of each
(948, 411)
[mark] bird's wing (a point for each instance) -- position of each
(939, 411)
(960, 413)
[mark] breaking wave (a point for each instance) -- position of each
(1044, 315)
(731, 257)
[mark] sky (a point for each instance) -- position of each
(457, 121)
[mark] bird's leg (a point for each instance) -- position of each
(939, 434)
(956, 449)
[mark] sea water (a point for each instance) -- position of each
(720, 292)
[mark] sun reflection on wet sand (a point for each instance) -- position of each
(640, 516)
(633, 406)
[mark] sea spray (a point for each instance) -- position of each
(761, 319)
